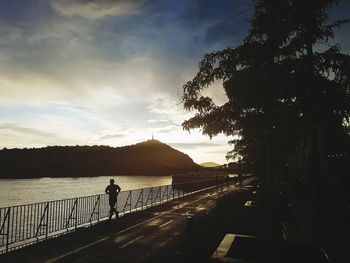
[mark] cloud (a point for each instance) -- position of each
(165, 105)
(13, 135)
(194, 145)
(15, 128)
(10, 33)
(216, 92)
(118, 134)
(158, 122)
(93, 9)
(112, 136)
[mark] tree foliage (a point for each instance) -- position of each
(276, 83)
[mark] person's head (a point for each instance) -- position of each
(111, 181)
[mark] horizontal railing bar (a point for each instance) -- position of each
(136, 189)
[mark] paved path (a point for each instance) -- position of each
(132, 238)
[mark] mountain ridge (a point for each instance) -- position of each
(150, 157)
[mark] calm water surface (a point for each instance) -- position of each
(26, 191)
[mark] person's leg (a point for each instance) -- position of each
(116, 212)
(112, 209)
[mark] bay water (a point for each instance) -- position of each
(27, 191)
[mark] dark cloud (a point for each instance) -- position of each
(211, 22)
(31, 11)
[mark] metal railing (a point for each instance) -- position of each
(22, 225)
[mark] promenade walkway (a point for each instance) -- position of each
(144, 236)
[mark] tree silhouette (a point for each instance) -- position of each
(279, 86)
(146, 158)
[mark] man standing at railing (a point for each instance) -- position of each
(112, 190)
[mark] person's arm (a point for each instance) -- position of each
(107, 190)
(119, 189)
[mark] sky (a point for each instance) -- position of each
(103, 72)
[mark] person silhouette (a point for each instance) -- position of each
(112, 190)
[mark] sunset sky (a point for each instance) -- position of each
(89, 72)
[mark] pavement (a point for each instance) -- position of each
(150, 235)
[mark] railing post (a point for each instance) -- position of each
(130, 200)
(166, 192)
(142, 199)
(76, 213)
(98, 208)
(139, 200)
(41, 223)
(95, 207)
(47, 219)
(75, 204)
(149, 197)
(8, 229)
(160, 194)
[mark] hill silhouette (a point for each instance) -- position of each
(151, 157)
